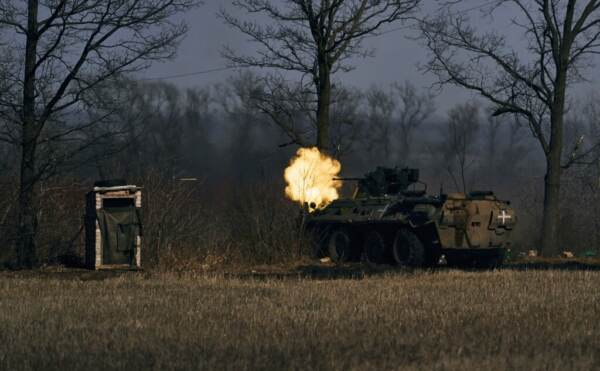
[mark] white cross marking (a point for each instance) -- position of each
(504, 216)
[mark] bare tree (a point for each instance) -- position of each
(458, 143)
(378, 128)
(238, 101)
(492, 137)
(393, 116)
(315, 39)
(288, 105)
(504, 150)
(66, 49)
(581, 184)
(561, 36)
(413, 109)
(164, 128)
(346, 125)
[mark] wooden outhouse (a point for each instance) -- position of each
(113, 226)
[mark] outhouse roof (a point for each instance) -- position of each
(117, 188)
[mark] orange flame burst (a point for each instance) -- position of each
(310, 178)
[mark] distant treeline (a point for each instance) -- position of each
(155, 133)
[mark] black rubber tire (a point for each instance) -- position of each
(375, 249)
(319, 238)
(339, 245)
(408, 250)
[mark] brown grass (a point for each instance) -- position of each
(507, 319)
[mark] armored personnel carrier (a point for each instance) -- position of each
(392, 219)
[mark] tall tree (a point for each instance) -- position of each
(531, 81)
(378, 137)
(235, 99)
(394, 115)
(459, 141)
(66, 49)
(413, 108)
(315, 39)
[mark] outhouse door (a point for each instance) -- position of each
(119, 225)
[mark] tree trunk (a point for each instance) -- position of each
(27, 217)
(551, 218)
(550, 226)
(323, 107)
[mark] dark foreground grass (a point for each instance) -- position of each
(508, 319)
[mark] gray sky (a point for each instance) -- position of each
(396, 56)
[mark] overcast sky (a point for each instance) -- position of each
(396, 56)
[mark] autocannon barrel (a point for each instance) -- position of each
(348, 179)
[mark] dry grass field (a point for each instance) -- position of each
(505, 319)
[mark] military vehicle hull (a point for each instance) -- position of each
(412, 229)
(475, 230)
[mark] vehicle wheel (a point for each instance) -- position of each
(408, 250)
(374, 248)
(339, 246)
(318, 239)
